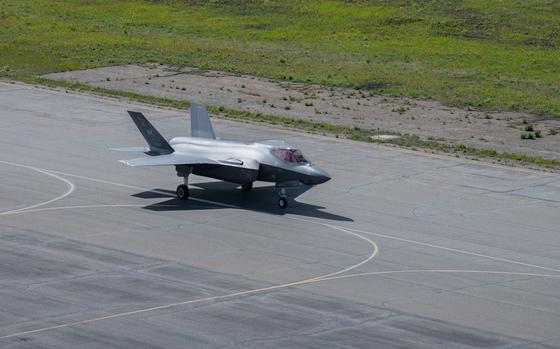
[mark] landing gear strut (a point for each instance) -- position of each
(247, 186)
(283, 200)
(183, 189)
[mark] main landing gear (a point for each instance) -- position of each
(183, 189)
(283, 200)
(182, 192)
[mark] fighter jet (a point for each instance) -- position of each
(232, 161)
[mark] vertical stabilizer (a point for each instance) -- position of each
(200, 122)
(158, 144)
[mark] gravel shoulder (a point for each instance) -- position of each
(429, 119)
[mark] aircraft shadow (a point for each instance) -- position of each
(259, 199)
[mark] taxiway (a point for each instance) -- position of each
(398, 250)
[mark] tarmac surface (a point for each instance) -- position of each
(399, 250)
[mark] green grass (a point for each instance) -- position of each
(316, 127)
(484, 53)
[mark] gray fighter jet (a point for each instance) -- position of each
(231, 161)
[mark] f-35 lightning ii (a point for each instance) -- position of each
(232, 161)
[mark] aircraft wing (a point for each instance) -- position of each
(170, 159)
(132, 149)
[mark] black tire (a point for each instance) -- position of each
(247, 186)
(182, 192)
(282, 202)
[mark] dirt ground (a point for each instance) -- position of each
(500, 130)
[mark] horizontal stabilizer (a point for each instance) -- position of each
(170, 159)
(131, 149)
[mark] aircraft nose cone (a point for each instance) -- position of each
(321, 175)
(317, 175)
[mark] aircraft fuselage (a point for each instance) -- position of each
(248, 162)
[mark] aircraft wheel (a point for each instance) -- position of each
(247, 186)
(283, 202)
(182, 192)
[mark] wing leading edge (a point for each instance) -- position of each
(170, 159)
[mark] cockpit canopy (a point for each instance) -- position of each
(290, 155)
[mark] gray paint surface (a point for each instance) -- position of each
(110, 247)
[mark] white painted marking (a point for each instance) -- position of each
(70, 185)
(265, 289)
(61, 208)
(505, 260)
(371, 255)
(440, 271)
(427, 244)
(327, 277)
(139, 188)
